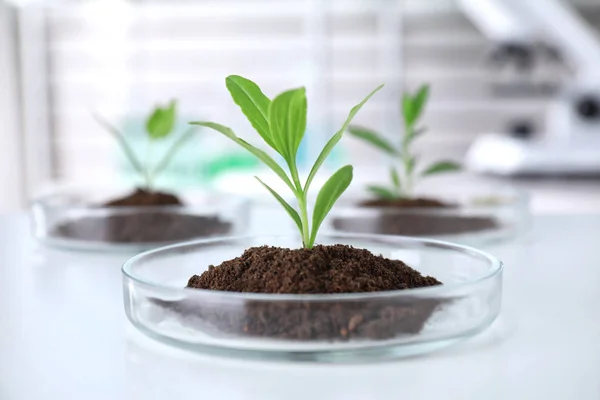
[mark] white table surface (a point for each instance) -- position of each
(64, 334)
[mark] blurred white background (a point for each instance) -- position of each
(62, 60)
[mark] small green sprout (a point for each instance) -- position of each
(159, 125)
(281, 123)
(403, 182)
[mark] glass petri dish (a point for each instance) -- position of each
(394, 324)
(78, 220)
(479, 215)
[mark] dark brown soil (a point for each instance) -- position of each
(151, 226)
(416, 224)
(321, 270)
(145, 198)
(420, 202)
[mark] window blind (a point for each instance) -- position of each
(119, 58)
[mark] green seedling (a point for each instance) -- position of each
(159, 125)
(404, 179)
(281, 123)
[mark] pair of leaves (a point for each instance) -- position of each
(281, 123)
(389, 194)
(381, 143)
(377, 140)
(161, 121)
(338, 182)
(331, 191)
(435, 168)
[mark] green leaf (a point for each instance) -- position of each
(287, 119)
(328, 195)
(419, 101)
(261, 155)
(290, 210)
(382, 192)
(439, 167)
(372, 137)
(412, 106)
(161, 121)
(253, 103)
(410, 164)
(395, 178)
(336, 138)
(407, 109)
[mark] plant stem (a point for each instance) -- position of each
(405, 155)
(409, 186)
(396, 184)
(147, 170)
(304, 218)
(302, 205)
(166, 160)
